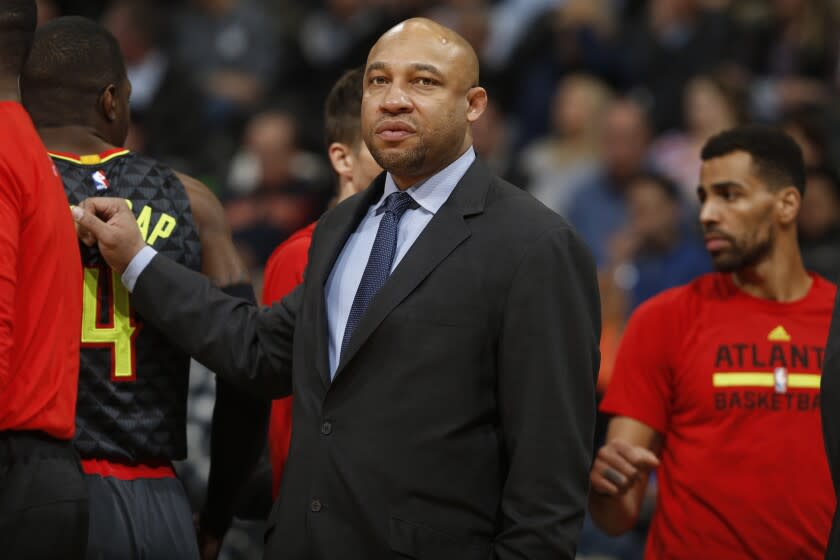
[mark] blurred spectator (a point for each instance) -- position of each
(492, 141)
(807, 124)
(598, 208)
(794, 53)
(677, 40)
(274, 188)
(656, 250)
(509, 21)
(556, 164)
(228, 45)
(338, 32)
(711, 104)
(166, 117)
(333, 36)
(819, 223)
(576, 37)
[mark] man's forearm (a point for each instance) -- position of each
(250, 348)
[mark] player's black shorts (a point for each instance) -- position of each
(43, 499)
(146, 518)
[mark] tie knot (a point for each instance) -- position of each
(397, 203)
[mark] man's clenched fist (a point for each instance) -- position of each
(618, 465)
(110, 223)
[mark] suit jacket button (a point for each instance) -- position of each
(326, 428)
(315, 506)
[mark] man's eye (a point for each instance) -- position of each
(426, 82)
(377, 80)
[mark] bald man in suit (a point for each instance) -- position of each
(442, 349)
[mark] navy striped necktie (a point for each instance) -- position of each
(378, 267)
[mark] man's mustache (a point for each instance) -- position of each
(717, 233)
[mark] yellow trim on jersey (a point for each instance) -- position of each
(761, 379)
(89, 159)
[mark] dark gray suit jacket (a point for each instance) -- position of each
(830, 410)
(459, 425)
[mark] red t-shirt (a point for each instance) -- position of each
(732, 383)
(283, 272)
(40, 275)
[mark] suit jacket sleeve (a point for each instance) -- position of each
(250, 347)
(548, 364)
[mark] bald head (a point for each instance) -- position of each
(421, 95)
(449, 43)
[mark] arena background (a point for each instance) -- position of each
(598, 107)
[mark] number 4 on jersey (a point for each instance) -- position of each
(117, 330)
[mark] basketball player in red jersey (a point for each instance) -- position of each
(717, 382)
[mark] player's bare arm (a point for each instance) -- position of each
(219, 260)
(620, 474)
(239, 422)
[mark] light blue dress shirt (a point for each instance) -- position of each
(347, 273)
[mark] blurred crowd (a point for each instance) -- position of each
(598, 108)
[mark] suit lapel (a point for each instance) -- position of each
(333, 234)
(442, 235)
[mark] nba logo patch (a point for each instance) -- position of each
(100, 180)
(780, 378)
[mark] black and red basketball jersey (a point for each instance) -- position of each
(132, 382)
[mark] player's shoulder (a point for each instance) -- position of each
(683, 300)
(823, 291)
(296, 247)
(141, 163)
(19, 140)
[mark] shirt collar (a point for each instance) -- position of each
(431, 193)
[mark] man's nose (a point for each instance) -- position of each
(709, 213)
(396, 99)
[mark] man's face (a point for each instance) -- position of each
(415, 105)
(625, 140)
(737, 212)
(654, 217)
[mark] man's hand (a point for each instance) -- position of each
(118, 236)
(618, 466)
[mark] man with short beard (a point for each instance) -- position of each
(716, 383)
(442, 348)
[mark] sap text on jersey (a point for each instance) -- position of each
(163, 227)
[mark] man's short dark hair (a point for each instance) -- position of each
(343, 108)
(775, 155)
(18, 19)
(73, 60)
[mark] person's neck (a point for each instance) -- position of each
(74, 139)
(780, 277)
(405, 182)
(9, 90)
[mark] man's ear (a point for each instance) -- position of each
(788, 203)
(477, 100)
(108, 103)
(341, 158)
